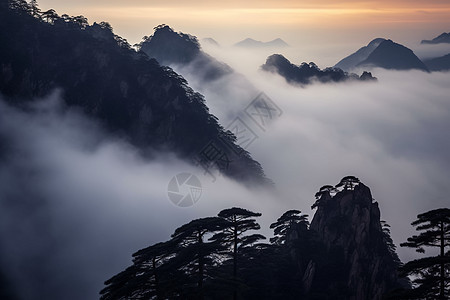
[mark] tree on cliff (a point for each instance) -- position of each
(432, 279)
(285, 223)
(348, 183)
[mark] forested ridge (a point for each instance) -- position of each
(132, 95)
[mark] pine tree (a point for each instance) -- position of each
(285, 223)
(151, 276)
(431, 273)
(34, 9)
(239, 221)
(348, 183)
(195, 256)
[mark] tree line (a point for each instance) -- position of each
(224, 257)
(212, 257)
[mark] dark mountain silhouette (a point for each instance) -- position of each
(439, 63)
(210, 41)
(251, 43)
(345, 253)
(206, 74)
(176, 48)
(390, 55)
(351, 61)
(133, 96)
(349, 225)
(443, 38)
(308, 73)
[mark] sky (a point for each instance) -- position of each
(297, 22)
(92, 201)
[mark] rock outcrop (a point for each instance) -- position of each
(346, 253)
(350, 221)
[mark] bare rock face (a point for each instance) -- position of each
(350, 222)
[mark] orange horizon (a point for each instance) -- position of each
(133, 19)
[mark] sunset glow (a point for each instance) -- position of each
(233, 20)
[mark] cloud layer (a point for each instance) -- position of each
(76, 202)
(392, 134)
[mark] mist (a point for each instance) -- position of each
(392, 134)
(76, 202)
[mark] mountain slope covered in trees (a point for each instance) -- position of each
(133, 96)
(176, 48)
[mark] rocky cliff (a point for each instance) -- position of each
(350, 254)
(351, 221)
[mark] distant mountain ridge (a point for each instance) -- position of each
(442, 38)
(210, 41)
(308, 73)
(251, 43)
(390, 55)
(439, 63)
(383, 53)
(351, 61)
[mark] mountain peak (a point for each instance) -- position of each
(210, 41)
(442, 38)
(251, 43)
(349, 225)
(351, 61)
(391, 55)
(174, 47)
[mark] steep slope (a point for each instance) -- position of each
(351, 61)
(439, 63)
(443, 38)
(390, 55)
(349, 226)
(150, 106)
(308, 73)
(251, 43)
